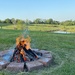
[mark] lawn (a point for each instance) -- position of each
(62, 47)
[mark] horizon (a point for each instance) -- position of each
(32, 9)
(37, 18)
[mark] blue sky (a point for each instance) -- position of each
(31, 9)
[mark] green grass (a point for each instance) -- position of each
(41, 27)
(62, 47)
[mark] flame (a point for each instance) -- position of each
(24, 42)
(21, 43)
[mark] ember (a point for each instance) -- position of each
(23, 52)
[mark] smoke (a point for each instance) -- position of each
(26, 33)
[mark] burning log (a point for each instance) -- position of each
(23, 52)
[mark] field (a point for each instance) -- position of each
(40, 27)
(62, 47)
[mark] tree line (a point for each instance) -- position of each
(37, 21)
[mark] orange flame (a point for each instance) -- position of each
(24, 42)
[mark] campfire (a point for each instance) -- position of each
(23, 57)
(23, 51)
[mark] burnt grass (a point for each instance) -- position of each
(62, 47)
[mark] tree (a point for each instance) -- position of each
(68, 22)
(13, 21)
(43, 21)
(7, 20)
(27, 22)
(56, 22)
(49, 21)
(20, 24)
(37, 21)
(73, 22)
(18, 21)
(0, 21)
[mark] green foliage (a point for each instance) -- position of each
(49, 21)
(18, 21)
(68, 23)
(38, 21)
(0, 21)
(7, 20)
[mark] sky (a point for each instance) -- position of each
(59, 10)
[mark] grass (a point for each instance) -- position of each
(41, 27)
(62, 47)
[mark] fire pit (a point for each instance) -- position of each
(23, 57)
